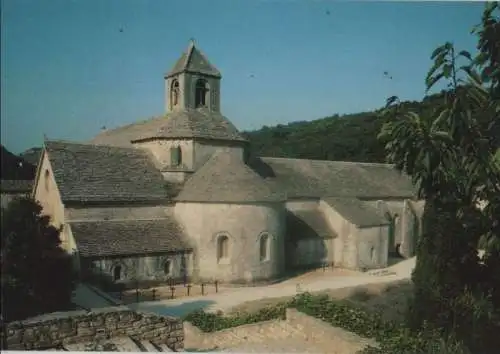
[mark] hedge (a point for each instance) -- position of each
(393, 338)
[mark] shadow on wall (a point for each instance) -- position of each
(180, 310)
(102, 281)
(307, 233)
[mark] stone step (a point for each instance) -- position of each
(125, 344)
(149, 346)
(165, 348)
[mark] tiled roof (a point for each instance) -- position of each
(91, 173)
(314, 178)
(192, 60)
(128, 237)
(189, 123)
(16, 186)
(308, 224)
(226, 178)
(357, 212)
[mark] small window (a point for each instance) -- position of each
(174, 93)
(167, 267)
(176, 156)
(117, 273)
(201, 93)
(264, 246)
(222, 247)
(372, 253)
(47, 179)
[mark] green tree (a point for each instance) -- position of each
(37, 274)
(449, 153)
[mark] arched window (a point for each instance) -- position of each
(264, 247)
(176, 155)
(167, 267)
(47, 180)
(222, 247)
(117, 273)
(201, 93)
(174, 93)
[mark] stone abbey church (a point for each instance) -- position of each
(179, 195)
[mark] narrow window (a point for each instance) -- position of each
(201, 92)
(176, 156)
(372, 253)
(167, 267)
(174, 93)
(222, 247)
(264, 247)
(117, 273)
(47, 180)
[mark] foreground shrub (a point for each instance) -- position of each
(393, 338)
(211, 322)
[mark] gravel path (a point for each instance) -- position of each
(231, 298)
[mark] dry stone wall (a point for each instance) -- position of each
(59, 329)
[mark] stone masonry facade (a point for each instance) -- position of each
(60, 329)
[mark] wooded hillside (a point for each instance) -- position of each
(350, 137)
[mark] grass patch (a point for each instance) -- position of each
(346, 314)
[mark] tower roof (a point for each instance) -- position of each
(193, 61)
(189, 123)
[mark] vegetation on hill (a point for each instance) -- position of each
(450, 154)
(37, 274)
(350, 137)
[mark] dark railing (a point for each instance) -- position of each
(171, 290)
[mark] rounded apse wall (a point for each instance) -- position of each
(235, 242)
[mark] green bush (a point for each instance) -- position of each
(210, 322)
(391, 337)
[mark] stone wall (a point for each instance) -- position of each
(148, 269)
(298, 327)
(53, 330)
(243, 225)
(318, 331)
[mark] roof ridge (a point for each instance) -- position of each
(189, 54)
(67, 142)
(143, 121)
(336, 161)
(120, 220)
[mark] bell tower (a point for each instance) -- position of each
(192, 83)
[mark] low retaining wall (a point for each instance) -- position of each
(322, 337)
(316, 331)
(53, 330)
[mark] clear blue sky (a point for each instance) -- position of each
(68, 70)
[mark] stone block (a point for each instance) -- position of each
(11, 341)
(17, 346)
(163, 325)
(85, 331)
(97, 321)
(83, 324)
